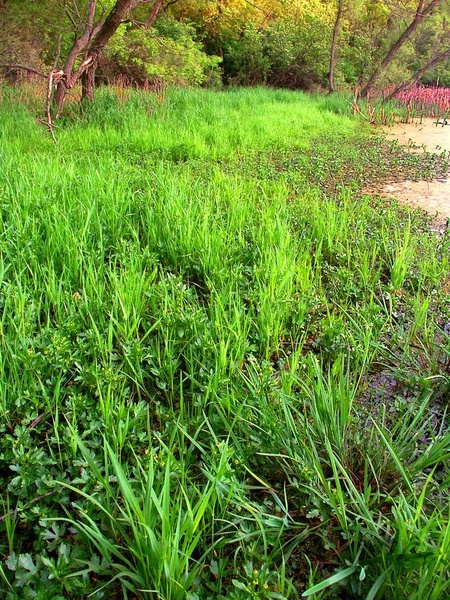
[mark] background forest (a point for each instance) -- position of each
(300, 44)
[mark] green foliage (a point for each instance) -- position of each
(167, 53)
(29, 32)
(246, 56)
(287, 53)
(284, 44)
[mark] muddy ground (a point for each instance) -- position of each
(421, 137)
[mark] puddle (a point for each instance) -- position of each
(433, 196)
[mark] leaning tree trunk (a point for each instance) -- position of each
(153, 14)
(412, 81)
(421, 12)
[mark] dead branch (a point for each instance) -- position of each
(39, 418)
(24, 68)
(77, 11)
(260, 8)
(48, 106)
(356, 109)
(71, 18)
(169, 4)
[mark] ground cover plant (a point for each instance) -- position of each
(224, 370)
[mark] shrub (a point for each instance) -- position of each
(167, 53)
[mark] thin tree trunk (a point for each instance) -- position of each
(153, 14)
(337, 24)
(421, 12)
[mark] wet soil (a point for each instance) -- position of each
(432, 195)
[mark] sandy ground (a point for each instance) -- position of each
(433, 196)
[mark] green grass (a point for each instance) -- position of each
(224, 370)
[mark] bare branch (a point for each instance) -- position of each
(48, 105)
(24, 68)
(263, 10)
(70, 17)
(39, 418)
(169, 4)
(77, 10)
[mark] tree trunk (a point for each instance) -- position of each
(110, 26)
(88, 83)
(92, 43)
(337, 24)
(421, 12)
(66, 83)
(153, 13)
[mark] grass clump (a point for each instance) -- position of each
(224, 368)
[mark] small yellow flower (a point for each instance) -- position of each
(255, 572)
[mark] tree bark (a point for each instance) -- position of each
(153, 13)
(88, 84)
(99, 42)
(66, 82)
(420, 13)
(337, 24)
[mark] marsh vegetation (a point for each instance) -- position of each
(224, 369)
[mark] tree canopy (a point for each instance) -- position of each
(291, 43)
